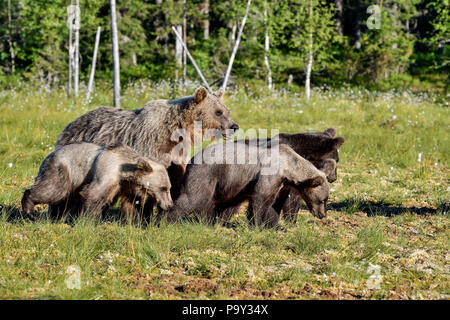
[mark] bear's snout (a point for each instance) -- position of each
(234, 127)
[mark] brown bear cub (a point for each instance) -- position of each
(318, 148)
(211, 186)
(151, 131)
(88, 177)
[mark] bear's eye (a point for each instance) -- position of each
(218, 113)
(164, 189)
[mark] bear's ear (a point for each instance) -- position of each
(314, 181)
(200, 95)
(338, 142)
(328, 166)
(331, 132)
(144, 166)
(166, 160)
(219, 94)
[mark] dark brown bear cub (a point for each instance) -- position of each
(214, 181)
(88, 177)
(318, 148)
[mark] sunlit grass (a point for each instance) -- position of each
(387, 208)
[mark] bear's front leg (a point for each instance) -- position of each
(127, 208)
(291, 206)
(261, 213)
(97, 197)
(290, 202)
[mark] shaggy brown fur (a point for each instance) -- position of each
(318, 148)
(208, 189)
(149, 130)
(85, 176)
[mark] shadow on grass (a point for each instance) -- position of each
(12, 214)
(371, 208)
(379, 208)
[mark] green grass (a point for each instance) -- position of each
(386, 209)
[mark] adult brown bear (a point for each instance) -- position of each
(150, 130)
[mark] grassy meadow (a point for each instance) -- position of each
(387, 235)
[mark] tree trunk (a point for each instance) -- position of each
(185, 42)
(70, 25)
(77, 48)
(236, 45)
(358, 26)
(233, 34)
(266, 51)
(339, 19)
(310, 54)
(178, 51)
(115, 49)
(94, 60)
(205, 11)
(10, 39)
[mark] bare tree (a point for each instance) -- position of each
(77, 48)
(236, 45)
(115, 49)
(94, 60)
(358, 26)
(178, 51)
(266, 49)
(70, 26)
(184, 40)
(310, 54)
(10, 39)
(205, 11)
(339, 19)
(233, 27)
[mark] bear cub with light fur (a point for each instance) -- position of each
(88, 177)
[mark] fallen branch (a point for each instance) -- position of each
(192, 60)
(236, 46)
(94, 60)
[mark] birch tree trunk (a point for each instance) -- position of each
(339, 19)
(310, 54)
(94, 60)
(184, 40)
(115, 49)
(178, 52)
(266, 51)
(77, 48)
(205, 11)
(10, 39)
(358, 26)
(70, 26)
(233, 28)
(236, 45)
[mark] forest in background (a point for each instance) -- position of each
(408, 47)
